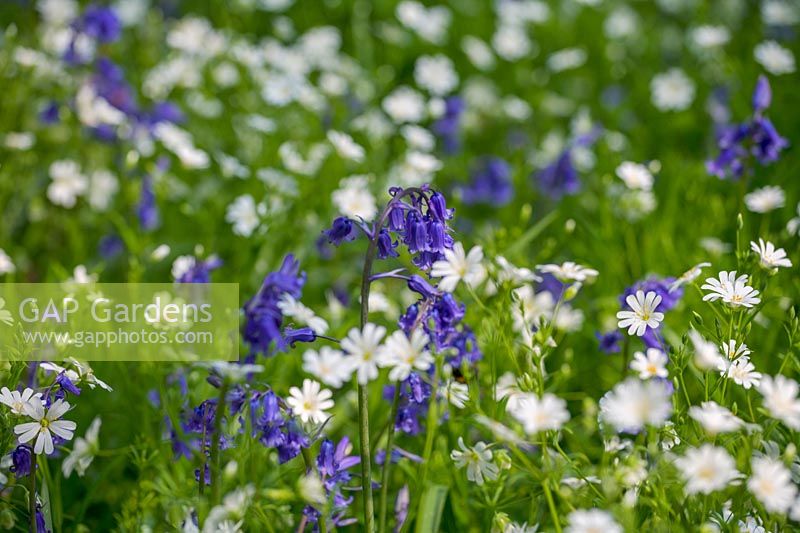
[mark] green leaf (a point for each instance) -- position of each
(430, 509)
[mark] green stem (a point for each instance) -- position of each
(214, 460)
(363, 393)
(387, 462)
(551, 504)
(366, 470)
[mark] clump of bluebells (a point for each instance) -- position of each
(264, 329)
(755, 139)
(415, 217)
(333, 464)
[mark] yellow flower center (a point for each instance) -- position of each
(44, 422)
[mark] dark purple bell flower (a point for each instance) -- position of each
(757, 138)
(342, 230)
(110, 246)
(490, 185)
(50, 114)
(416, 233)
(101, 23)
(66, 384)
(767, 143)
(263, 317)
(438, 207)
(147, 209)
(109, 82)
(21, 459)
(609, 342)
(294, 443)
(397, 219)
(559, 177)
(41, 525)
(762, 95)
(386, 245)
(293, 336)
(448, 126)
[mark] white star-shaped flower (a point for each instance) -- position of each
(643, 313)
(457, 266)
(46, 423)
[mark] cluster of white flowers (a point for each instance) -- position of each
(364, 352)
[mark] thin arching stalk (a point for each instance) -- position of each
(363, 393)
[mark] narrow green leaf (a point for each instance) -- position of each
(430, 509)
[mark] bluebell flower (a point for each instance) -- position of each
(415, 397)
(438, 207)
(66, 384)
(490, 184)
(200, 271)
(417, 218)
(340, 231)
(333, 463)
(757, 137)
(386, 245)
(292, 336)
(147, 210)
(447, 127)
(50, 113)
(767, 143)
(294, 442)
(163, 112)
(263, 318)
(41, 525)
(560, 177)
(101, 23)
(110, 246)
(416, 233)
(324, 249)
(109, 82)
(609, 342)
(21, 460)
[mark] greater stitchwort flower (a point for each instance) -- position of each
(46, 424)
(643, 313)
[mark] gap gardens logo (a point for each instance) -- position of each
(120, 321)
